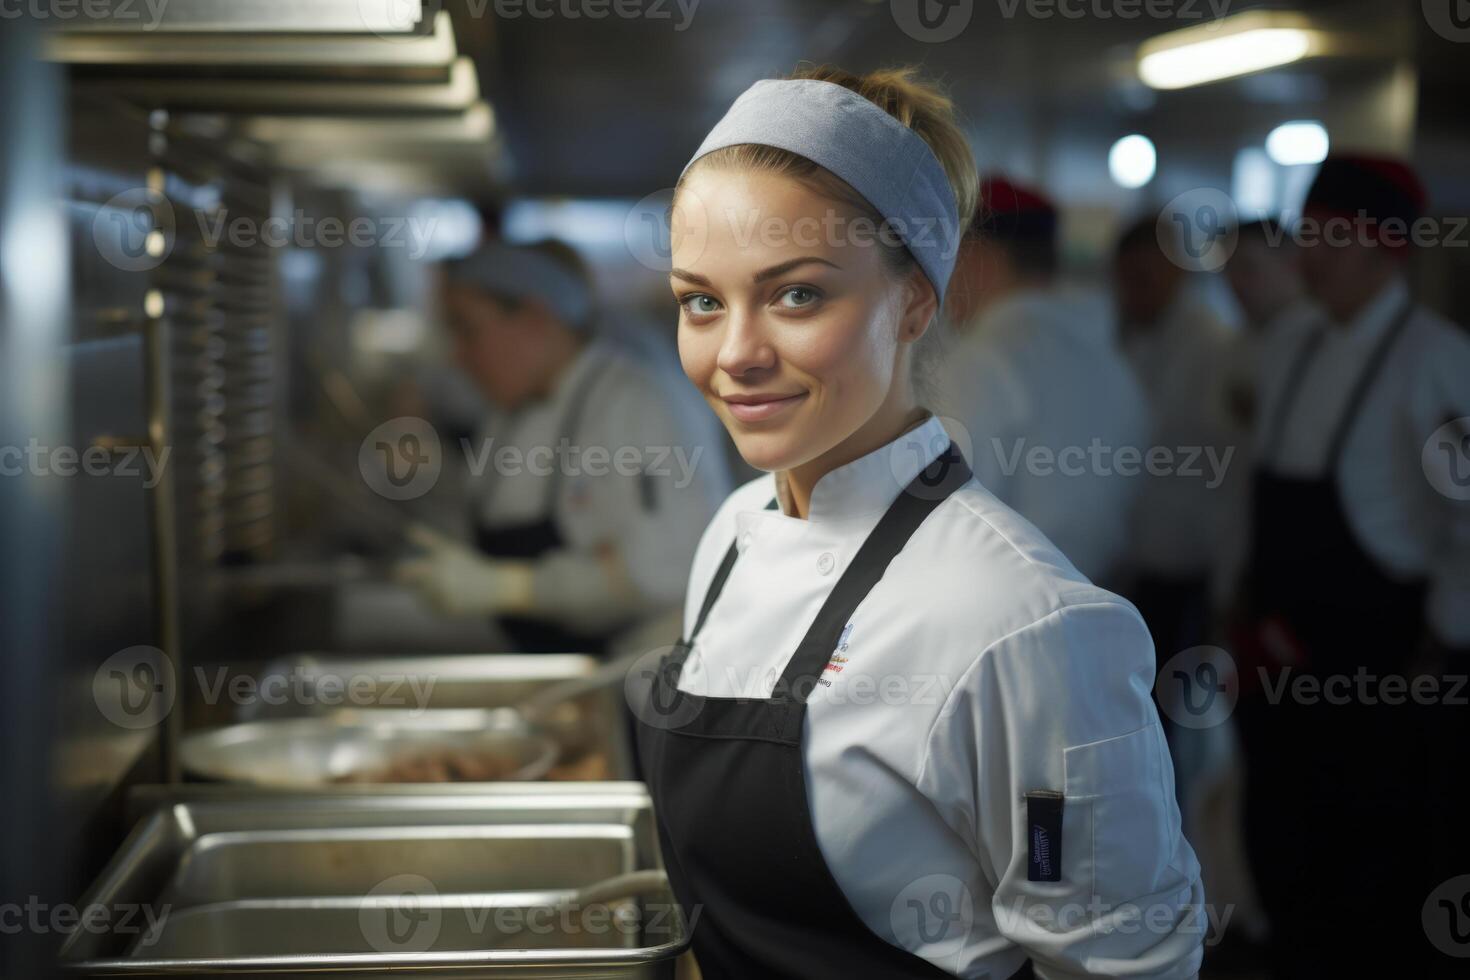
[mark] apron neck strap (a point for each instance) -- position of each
(946, 474)
(1365, 382)
(717, 584)
(1361, 386)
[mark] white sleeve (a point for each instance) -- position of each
(1063, 706)
(1440, 410)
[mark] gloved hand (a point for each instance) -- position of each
(459, 581)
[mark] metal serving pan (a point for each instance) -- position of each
(307, 752)
(454, 881)
(590, 732)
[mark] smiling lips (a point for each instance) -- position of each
(758, 408)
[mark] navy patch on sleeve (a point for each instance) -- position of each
(1044, 836)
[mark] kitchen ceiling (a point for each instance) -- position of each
(613, 106)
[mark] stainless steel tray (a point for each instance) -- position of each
(461, 881)
(310, 752)
(446, 686)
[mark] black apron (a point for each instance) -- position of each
(530, 540)
(1330, 788)
(727, 781)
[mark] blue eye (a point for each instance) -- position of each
(699, 303)
(803, 296)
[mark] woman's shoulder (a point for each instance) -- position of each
(989, 573)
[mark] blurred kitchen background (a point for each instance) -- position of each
(132, 319)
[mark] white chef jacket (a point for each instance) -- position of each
(1183, 515)
(1038, 370)
(982, 666)
(642, 474)
(1395, 513)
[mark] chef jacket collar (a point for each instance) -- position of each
(1375, 318)
(867, 485)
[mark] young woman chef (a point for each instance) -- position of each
(903, 737)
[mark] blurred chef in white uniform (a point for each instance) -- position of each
(1034, 368)
(593, 475)
(1181, 352)
(1359, 576)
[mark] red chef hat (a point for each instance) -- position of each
(1376, 189)
(1014, 212)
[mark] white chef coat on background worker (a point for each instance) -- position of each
(651, 521)
(1038, 369)
(981, 667)
(1183, 363)
(1396, 514)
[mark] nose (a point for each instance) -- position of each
(745, 346)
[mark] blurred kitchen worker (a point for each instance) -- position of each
(1031, 369)
(593, 477)
(1180, 351)
(1265, 276)
(1360, 552)
(1264, 273)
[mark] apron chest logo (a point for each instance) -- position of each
(837, 661)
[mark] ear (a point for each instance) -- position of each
(920, 305)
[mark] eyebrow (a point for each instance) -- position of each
(762, 276)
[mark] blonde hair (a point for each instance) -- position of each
(921, 106)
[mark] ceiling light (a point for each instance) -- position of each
(1133, 161)
(1296, 144)
(1238, 45)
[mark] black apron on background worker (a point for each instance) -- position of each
(532, 539)
(727, 780)
(1331, 778)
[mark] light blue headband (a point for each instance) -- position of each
(524, 273)
(882, 159)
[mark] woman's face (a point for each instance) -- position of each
(789, 324)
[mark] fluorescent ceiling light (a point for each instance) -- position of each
(1238, 45)
(1296, 144)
